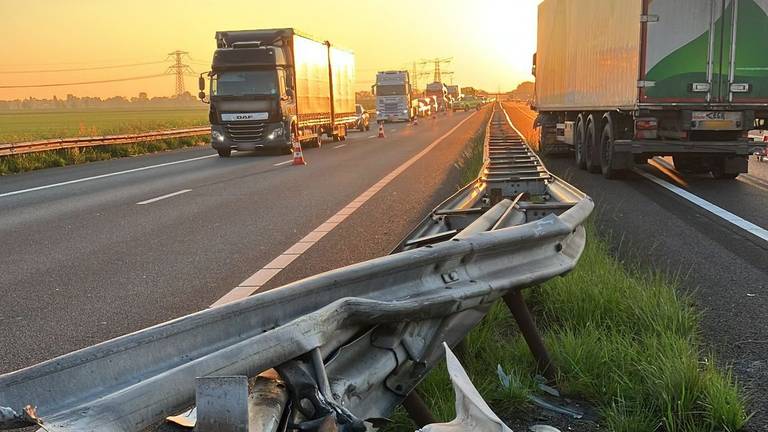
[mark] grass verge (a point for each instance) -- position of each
(33, 161)
(624, 339)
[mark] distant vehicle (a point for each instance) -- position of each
(454, 92)
(393, 96)
(421, 107)
(362, 119)
(270, 88)
(468, 102)
(683, 86)
(433, 105)
(440, 93)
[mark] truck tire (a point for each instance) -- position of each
(579, 144)
(718, 171)
(227, 152)
(606, 151)
(591, 161)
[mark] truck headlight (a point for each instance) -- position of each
(275, 133)
(218, 136)
(405, 111)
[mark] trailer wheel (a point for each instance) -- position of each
(580, 144)
(592, 164)
(606, 153)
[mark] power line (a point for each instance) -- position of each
(82, 82)
(82, 69)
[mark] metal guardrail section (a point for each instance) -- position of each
(349, 344)
(7, 149)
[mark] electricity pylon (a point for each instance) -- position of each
(179, 69)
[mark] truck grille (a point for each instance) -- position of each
(245, 131)
(390, 107)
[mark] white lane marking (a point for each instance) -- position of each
(708, 206)
(261, 277)
(101, 176)
(372, 136)
(339, 146)
(150, 201)
(283, 163)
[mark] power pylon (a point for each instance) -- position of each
(438, 74)
(179, 69)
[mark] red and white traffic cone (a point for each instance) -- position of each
(298, 155)
(381, 130)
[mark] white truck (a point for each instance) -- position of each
(393, 96)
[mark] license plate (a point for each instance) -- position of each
(244, 116)
(717, 120)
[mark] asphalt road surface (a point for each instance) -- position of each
(94, 251)
(712, 255)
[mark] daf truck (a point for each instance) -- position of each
(270, 88)
(623, 81)
(393, 96)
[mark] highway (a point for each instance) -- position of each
(103, 249)
(708, 251)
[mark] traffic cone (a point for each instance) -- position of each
(415, 121)
(298, 155)
(381, 130)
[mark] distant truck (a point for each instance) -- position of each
(454, 92)
(393, 96)
(270, 88)
(639, 79)
(440, 92)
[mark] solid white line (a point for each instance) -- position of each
(150, 201)
(708, 206)
(282, 163)
(261, 277)
(339, 146)
(372, 136)
(84, 179)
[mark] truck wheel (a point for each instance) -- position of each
(227, 152)
(606, 154)
(579, 144)
(318, 141)
(718, 171)
(591, 163)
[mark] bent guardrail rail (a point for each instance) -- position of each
(349, 344)
(7, 149)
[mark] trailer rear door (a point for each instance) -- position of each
(747, 64)
(704, 51)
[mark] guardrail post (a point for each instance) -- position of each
(516, 304)
(418, 410)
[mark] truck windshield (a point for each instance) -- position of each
(244, 83)
(390, 89)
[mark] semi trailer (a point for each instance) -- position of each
(440, 92)
(393, 96)
(623, 81)
(270, 88)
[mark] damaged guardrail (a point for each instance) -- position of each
(339, 349)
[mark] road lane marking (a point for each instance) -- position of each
(101, 176)
(339, 146)
(283, 163)
(150, 201)
(727, 216)
(264, 275)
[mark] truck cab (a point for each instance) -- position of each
(393, 96)
(251, 96)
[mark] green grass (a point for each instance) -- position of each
(624, 339)
(16, 126)
(33, 161)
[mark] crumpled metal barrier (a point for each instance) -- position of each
(353, 342)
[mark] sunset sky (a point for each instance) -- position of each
(491, 41)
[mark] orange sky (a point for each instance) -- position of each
(491, 41)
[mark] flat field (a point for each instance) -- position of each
(17, 126)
